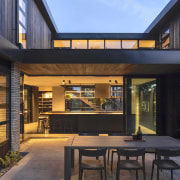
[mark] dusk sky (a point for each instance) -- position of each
(105, 15)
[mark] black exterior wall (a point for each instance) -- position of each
(169, 121)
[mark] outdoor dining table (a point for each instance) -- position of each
(112, 142)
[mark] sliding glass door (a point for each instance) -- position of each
(141, 105)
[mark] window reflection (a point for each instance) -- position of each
(146, 44)
(143, 104)
(22, 36)
(79, 44)
(22, 22)
(112, 44)
(62, 43)
(96, 44)
(129, 44)
(165, 39)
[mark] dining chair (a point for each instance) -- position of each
(151, 151)
(113, 151)
(167, 164)
(129, 164)
(92, 164)
(88, 133)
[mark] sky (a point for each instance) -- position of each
(104, 16)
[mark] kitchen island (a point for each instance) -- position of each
(101, 122)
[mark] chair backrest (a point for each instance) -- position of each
(131, 153)
(168, 153)
(115, 134)
(92, 153)
(88, 134)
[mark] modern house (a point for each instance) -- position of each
(79, 82)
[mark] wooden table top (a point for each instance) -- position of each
(119, 142)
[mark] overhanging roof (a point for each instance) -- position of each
(8, 50)
(99, 56)
(102, 36)
(164, 16)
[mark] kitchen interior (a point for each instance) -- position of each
(71, 104)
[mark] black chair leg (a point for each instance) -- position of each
(80, 174)
(108, 156)
(136, 174)
(144, 173)
(152, 170)
(101, 175)
(105, 172)
(112, 160)
(171, 174)
(117, 172)
(157, 173)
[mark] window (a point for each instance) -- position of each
(62, 44)
(129, 44)
(22, 22)
(4, 106)
(79, 44)
(96, 44)
(113, 44)
(146, 44)
(143, 104)
(165, 40)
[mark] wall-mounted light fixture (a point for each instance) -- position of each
(109, 81)
(116, 81)
(69, 81)
(63, 82)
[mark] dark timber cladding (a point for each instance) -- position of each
(6, 19)
(38, 32)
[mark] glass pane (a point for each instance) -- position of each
(22, 36)
(3, 98)
(22, 18)
(22, 5)
(62, 43)
(96, 44)
(113, 44)
(143, 104)
(4, 132)
(79, 44)
(129, 44)
(146, 44)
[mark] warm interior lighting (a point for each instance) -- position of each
(63, 82)
(146, 44)
(129, 44)
(96, 44)
(79, 44)
(113, 44)
(62, 43)
(109, 81)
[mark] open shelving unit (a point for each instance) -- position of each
(45, 101)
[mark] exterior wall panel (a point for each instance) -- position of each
(38, 32)
(6, 19)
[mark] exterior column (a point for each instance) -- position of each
(15, 107)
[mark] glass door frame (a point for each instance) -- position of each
(128, 117)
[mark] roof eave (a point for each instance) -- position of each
(167, 12)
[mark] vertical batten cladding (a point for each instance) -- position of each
(15, 107)
(38, 32)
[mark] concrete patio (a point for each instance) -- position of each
(45, 161)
